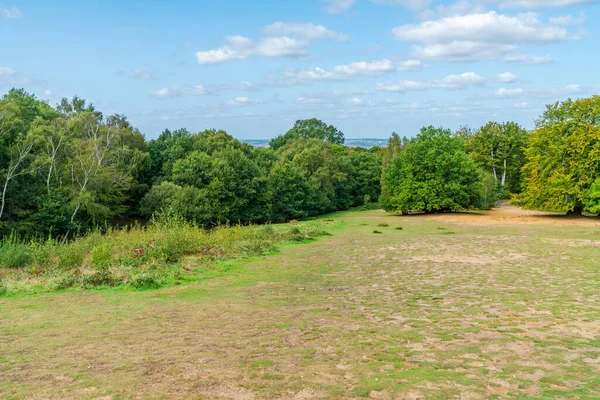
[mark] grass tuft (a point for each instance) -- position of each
(140, 258)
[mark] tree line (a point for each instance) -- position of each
(67, 169)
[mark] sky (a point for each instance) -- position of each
(254, 67)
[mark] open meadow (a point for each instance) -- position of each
(492, 305)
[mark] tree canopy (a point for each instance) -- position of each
(433, 173)
(309, 129)
(563, 158)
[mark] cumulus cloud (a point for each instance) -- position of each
(478, 36)
(240, 48)
(568, 20)
(411, 65)
(348, 71)
(450, 82)
(506, 77)
(304, 31)
(411, 4)
(288, 40)
(460, 7)
(11, 13)
(335, 7)
(489, 27)
(509, 93)
(463, 51)
(543, 3)
(177, 91)
(528, 59)
(244, 101)
(5, 71)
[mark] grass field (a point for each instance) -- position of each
(465, 306)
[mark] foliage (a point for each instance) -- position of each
(499, 149)
(563, 158)
(309, 129)
(432, 174)
(591, 200)
(138, 257)
(14, 254)
(67, 169)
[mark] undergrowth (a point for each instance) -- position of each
(169, 250)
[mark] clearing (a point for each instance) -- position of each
(468, 306)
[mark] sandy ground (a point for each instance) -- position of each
(511, 215)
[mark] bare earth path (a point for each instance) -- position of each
(465, 306)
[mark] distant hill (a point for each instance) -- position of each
(364, 143)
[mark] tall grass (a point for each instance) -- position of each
(167, 251)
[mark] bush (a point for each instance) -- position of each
(14, 254)
(141, 258)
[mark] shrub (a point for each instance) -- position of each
(14, 254)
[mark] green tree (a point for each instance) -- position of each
(432, 174)
(563, 157)
(309, 129)
(394, 146)
(499, 149)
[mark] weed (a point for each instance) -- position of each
(14, 254)
(376, 231)
(399, 228)
(142, 258)
(384, 225)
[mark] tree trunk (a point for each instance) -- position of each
(504, 174)
(4, 196)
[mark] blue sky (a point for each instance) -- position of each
(252, 68)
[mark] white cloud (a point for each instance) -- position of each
(47, 93)
(176, 91)
(460, 7)
(479, 36)
(509, 93)
(542, 3)
(167, 93)
(365, 68)
(240, 48)
(410, 65)
(338, 6)
(11, 13)
(303, 31)
(411, 4)
(144, 75)
(528, 59)
(463, 51)
(340, 72)
(309, 100)
(506, 77)
(244, 101)
(489, 27)
(5, 71)
(450, 82)
(568, 20)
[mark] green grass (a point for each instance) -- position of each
(494, 311)
(168, 252)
